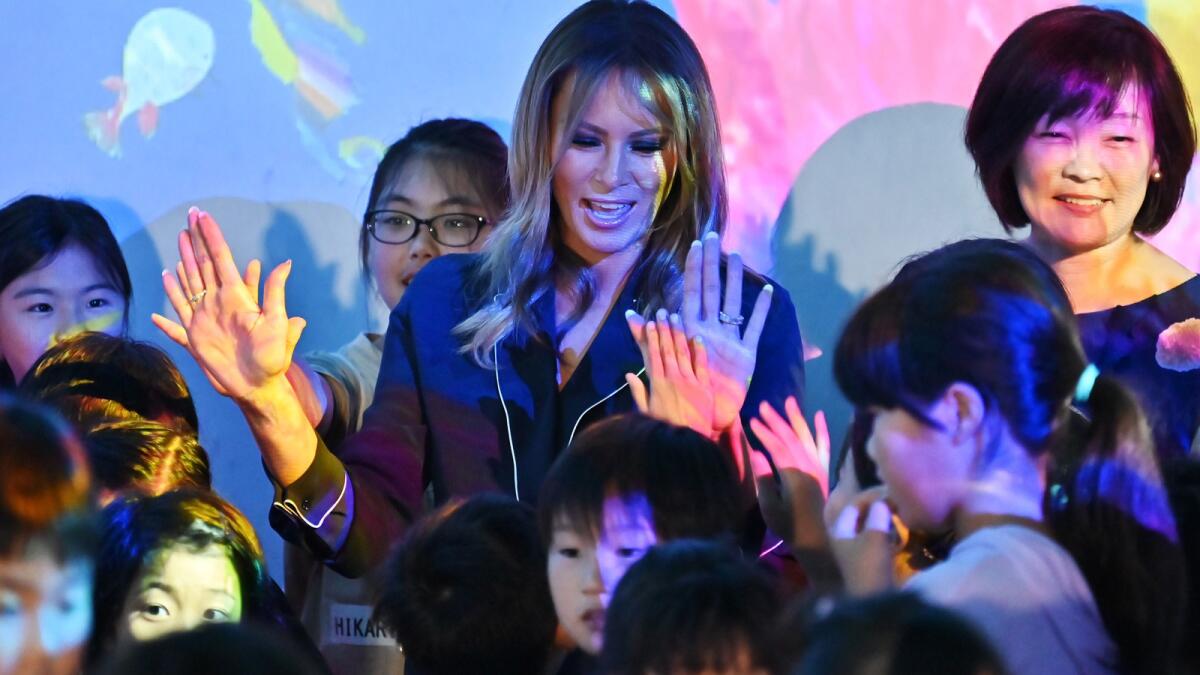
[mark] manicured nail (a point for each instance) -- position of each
(192, 210)
(629, 314)
(699, 341)
(165, 272)
(711, 235)
(768, 289)
(675, 320)
(696, 243)
(661, 314)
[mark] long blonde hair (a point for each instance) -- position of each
(525, 255)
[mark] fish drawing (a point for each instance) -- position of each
(168, 52)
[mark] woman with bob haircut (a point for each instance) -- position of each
(61, 273)
(1081, 130)
(493, 362)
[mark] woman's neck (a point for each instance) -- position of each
(1121, 272)
(1009, 490)
(609, 274)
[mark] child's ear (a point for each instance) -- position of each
(961, 411)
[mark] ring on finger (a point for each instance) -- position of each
(195, 299)
(731, 320)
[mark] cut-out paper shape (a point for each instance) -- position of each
(1178, 346)
(331, 12)
(168, 52)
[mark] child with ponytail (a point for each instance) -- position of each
(990, 425)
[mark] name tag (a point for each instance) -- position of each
(352, 625)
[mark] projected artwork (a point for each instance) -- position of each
(296, 46)
(168, 52)
(789, 74)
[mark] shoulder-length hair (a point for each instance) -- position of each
(657, 61)
(1070, 61)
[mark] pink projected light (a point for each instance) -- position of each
(788, 74)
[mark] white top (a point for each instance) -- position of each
(1027, 596)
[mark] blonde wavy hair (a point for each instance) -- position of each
(525, 256)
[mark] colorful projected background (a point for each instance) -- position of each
(842, 123)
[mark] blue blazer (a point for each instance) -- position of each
(442, 422)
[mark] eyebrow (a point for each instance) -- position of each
(167, 588)
(653, 131)
(102, 286)
(452, 200)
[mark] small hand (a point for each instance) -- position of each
(792, 505)
(239, 345)
(732, 353)
(681, 390)
(863, 546)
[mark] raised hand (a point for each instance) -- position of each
(732, 352)
(681, 390)
(792, 494)
(240, 345)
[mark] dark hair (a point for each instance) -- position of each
(45, 487)
(1069, 61)
(894, 633)
(94, 377)
(460, 150)
(145, 457)
(239, 648)
(989, 313)
(691, 606)
(136, 529)
(688, 480)
(35, 228)
(466, 591)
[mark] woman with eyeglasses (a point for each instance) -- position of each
(493, 362)
(437, 190)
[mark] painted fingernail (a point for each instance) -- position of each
(768, 289)
(192, 210)
(661, 314)
(629, 314)
(696, 243)
(699, 341)
(675, 320)
(165, 272)
(711, 235)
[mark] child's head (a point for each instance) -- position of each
(143, 457)
(61, 273)
(47, 540)
(171, 563)
(466, 591)
(692, 607)
(895, 633)
(624, 485)
(972, 341)
(451, 172)
(243, 648)
(93, 378)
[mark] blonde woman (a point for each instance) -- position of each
(493, 362)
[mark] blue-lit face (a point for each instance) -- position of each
(584, 570)
(45, 614)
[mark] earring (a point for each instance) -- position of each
(1156, 176)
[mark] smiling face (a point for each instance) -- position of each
(179, 590)
(422, 191)
(58, 298)
(45, 614)
(613, 173)
(584, 571)
(1082, 180)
